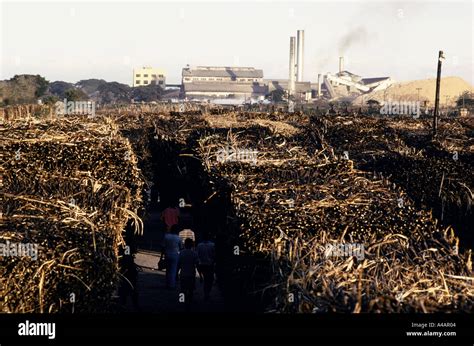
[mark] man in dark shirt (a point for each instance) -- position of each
(187, 264)
(206, 251)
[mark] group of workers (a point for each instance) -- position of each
(182, 257)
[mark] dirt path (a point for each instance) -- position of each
(153, 296)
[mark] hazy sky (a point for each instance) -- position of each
(78, 40)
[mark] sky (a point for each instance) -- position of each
(74, 40)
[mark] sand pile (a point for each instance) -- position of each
(452, 87)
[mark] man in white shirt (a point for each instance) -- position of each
(185, 234)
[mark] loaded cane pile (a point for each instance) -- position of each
(338, 239)
(68, 189)
(338, 206)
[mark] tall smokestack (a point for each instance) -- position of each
(291, 79)
(341, 64)
(319, 85)
(299, 56)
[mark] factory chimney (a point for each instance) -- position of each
(341, 64)
(299, 55)
(319, 85)
(291, 80)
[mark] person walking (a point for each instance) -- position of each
(170, 216)
(187, 265)
(185, 234)
(206, 252)
(186, 219)
(128, 283)
(171, 247)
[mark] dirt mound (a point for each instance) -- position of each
(451, 87)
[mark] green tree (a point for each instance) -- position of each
(277, 95)
(373, 103)
(75, 95)
(50, 99)
(41, 86)
(465, 99)
(374, 106)
(59, 88)
(147, 93)
(114, 92)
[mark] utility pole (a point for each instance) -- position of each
(438, 82)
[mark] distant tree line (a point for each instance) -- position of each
(29, 88)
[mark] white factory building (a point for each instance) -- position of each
(211, 82)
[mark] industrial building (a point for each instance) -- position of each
(301, 90)
(347, 85)
(209, 82)
(247, 83)
(147, 75)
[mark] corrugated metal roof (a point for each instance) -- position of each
(223, 72)
(347, 73)
(300, 87)
(373, 80)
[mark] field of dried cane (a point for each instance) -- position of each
(301, 197)
(69, 187)
(312, 184)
